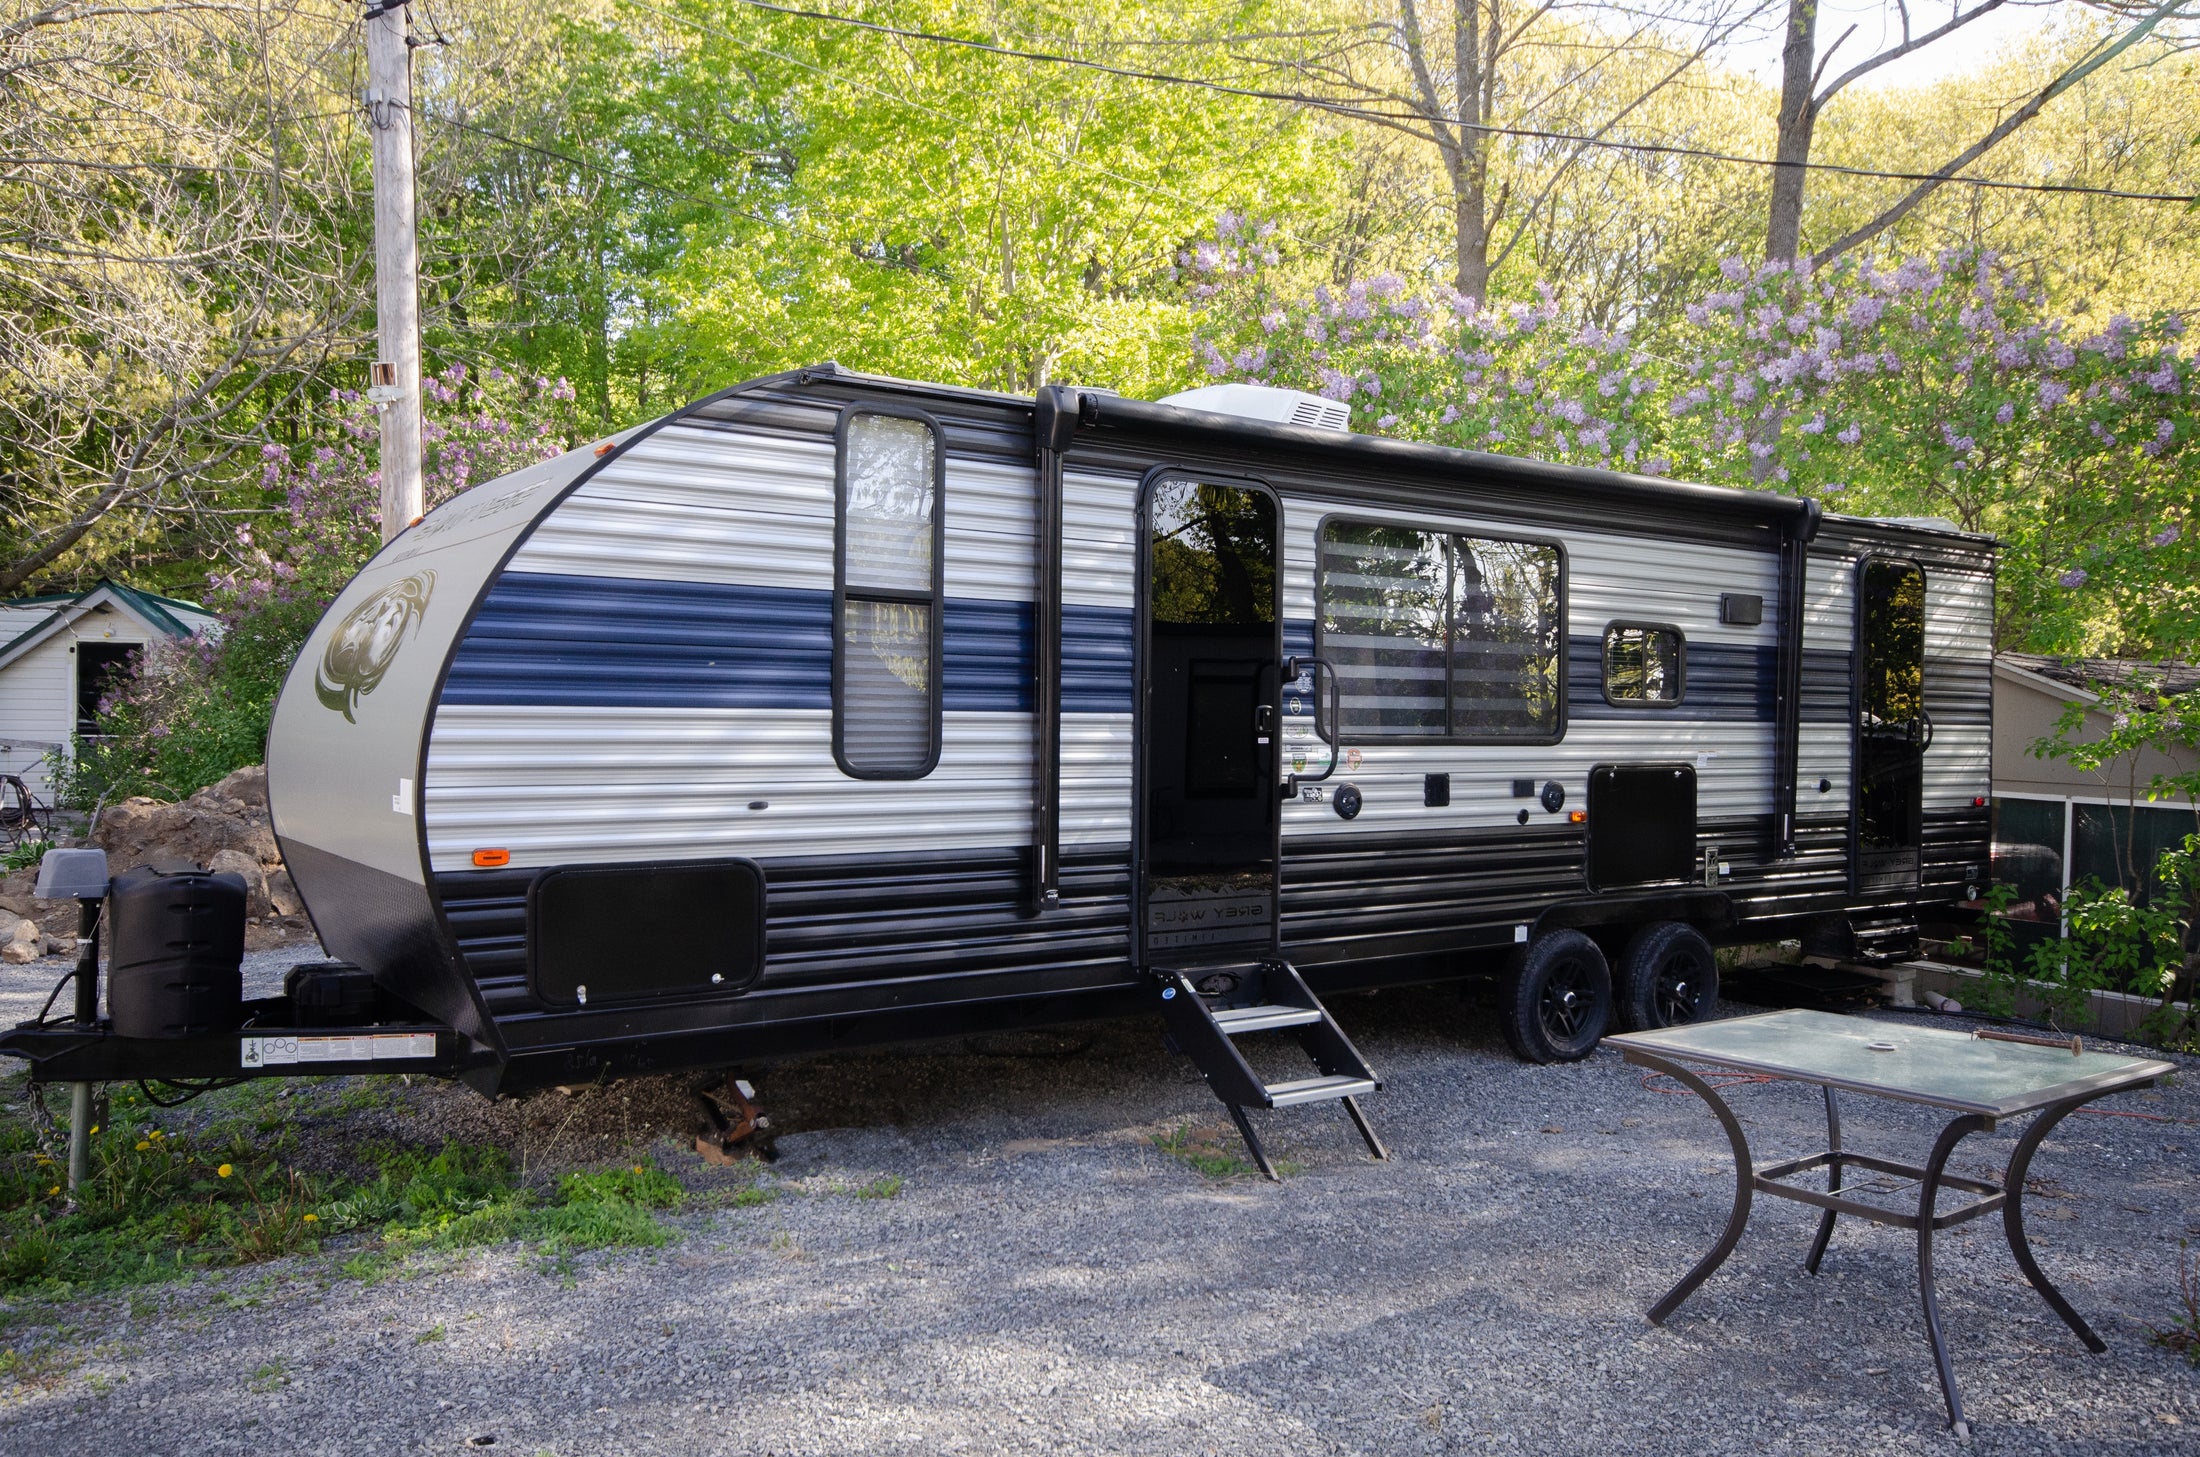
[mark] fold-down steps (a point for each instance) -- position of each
(1268, 997)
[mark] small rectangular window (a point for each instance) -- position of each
(1441, 636)
(1644, 664)
(886, 660)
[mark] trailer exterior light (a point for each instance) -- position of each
(492, 859)
(1578, 817)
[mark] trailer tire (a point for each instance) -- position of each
(1556, 998)
(1667, 977)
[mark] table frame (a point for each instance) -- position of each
(2007, 1196)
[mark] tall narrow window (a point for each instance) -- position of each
(1643, 664)
(886, 659)
(1439, 636)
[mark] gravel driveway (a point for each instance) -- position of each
(1048, 1280)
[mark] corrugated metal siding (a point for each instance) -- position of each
(567, 785)
(833, 923)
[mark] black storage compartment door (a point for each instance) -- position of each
(1642, 824)
(621, 933)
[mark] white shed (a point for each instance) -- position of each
(59, 654)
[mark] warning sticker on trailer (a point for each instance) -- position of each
(286, 1051)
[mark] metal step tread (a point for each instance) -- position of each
(1234, 1020)
(1317, 1090)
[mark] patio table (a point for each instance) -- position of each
(1979, 1078)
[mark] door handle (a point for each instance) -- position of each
(1325, 725)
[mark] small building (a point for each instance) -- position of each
(2056, 824)
(59, 655)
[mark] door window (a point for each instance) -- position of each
(1892, 726)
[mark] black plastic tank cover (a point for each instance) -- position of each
(176, 947)
(1348, 801)
(1642, 824)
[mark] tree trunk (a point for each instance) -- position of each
(1798, 118)
(1471, 272)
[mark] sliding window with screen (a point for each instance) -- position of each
(1441, 636)
(1645, 665)
(887, 588)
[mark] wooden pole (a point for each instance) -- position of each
(395, 388)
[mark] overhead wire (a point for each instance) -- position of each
(719, 32)
(1359, 111)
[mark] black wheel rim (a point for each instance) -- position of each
(1679, 985)
(1568, 1003)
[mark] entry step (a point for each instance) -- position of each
(1277, 999)
(1317, 1090)
(1237, 1020)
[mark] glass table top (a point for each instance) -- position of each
(1918, 1064)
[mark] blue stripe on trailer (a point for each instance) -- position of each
(548, 640)
(1725, 683)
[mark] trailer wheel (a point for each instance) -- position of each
(1556, 998)
(1667, 977)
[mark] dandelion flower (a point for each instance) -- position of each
(313, 1219)
(223, 1171)
(54, 1190)
(143, 1145)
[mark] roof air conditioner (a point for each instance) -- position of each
(1265, 402)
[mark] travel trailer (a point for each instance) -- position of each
(837, 710)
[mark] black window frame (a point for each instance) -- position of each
(936, 600)
(1680, 665)
(1559, 668)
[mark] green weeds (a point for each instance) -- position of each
(161, 1204)
(1212, 1152)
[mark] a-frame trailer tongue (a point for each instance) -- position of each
(1210, 733)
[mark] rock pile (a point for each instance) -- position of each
(223, 827)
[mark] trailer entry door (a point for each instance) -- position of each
(1206, 737)
(1892, 727)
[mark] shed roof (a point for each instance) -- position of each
(2095, 674)
(169, 616)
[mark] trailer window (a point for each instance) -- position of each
(886, 661)
(1441, 636)
(1644, 664)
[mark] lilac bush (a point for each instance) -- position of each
(1937, 387)
(191, 712)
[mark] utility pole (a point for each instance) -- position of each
(395, 388)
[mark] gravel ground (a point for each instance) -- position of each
(1047, 1280)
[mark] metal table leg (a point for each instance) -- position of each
(1927, 1192)
(1745, 1183)
(1833, 1180)
(2012, 1221)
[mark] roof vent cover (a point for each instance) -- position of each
(1265, 402)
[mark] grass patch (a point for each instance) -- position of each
(886, 1186)
(162, 1204)
(1214, 1152)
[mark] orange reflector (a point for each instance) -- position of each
(492, 859)
(605, 448)
(1578, 817)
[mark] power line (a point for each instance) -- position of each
(1413, 118)
(1141, 184)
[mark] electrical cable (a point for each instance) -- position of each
(1414, 118)
(189, 1090)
